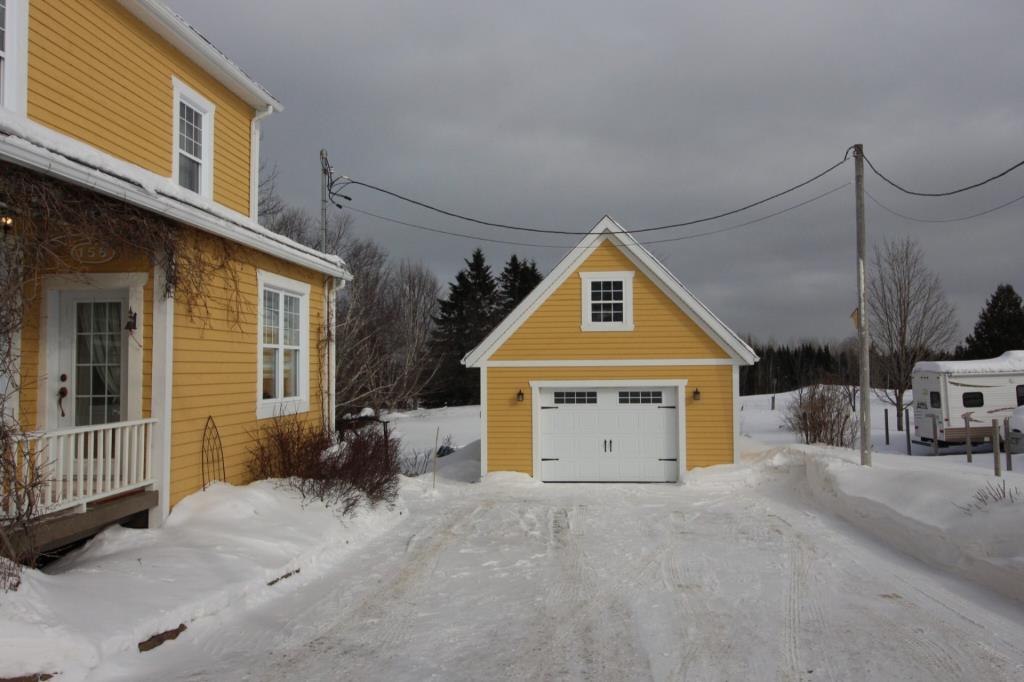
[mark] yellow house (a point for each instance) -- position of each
(136, 395)
(610, 370)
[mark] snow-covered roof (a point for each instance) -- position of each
(29, 144)
(1010, 361)
(194, 45)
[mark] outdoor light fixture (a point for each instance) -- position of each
(132, 323)
(696, 394)
(520, 397)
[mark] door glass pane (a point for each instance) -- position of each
(269, 373)
(291, 373)
(98, 357)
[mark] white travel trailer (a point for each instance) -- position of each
(950, 389)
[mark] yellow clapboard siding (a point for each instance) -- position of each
(661, 329)
(709, 435)
(98, 74)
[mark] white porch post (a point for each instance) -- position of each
(163, 372)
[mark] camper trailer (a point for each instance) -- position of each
(946, 392)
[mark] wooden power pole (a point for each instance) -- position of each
(862, 308)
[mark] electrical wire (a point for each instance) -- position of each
(942, 194)
(940, 220)
(346, 181)
(572, 247)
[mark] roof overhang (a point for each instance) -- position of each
(607, 229)
(27, 144)
(190, 42)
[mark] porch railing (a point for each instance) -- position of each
(76, 466)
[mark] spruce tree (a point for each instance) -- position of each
(465, 317)
(517, 280)
(999, 328)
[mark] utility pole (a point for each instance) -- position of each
(325, 168)
(862, 308)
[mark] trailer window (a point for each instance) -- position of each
(1020, 396)
(974, 399)
(936, 399)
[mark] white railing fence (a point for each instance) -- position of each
(84, 464)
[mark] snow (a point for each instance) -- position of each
(789, 565)
(1010, 361)
(26, 134)
(220, 547)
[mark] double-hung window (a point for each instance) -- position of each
(193, 140)
(284, 346)
(607, 301)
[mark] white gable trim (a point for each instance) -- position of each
(608, 229)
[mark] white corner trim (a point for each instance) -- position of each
(184, 93)
(278, 407)
(483, 422)
(638, 362)
(678, 384)
(15, 78)
(736, 414)
(586, 321)
(606, 229)
(161, 401)
(254, 162)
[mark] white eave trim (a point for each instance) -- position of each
(638, 362)
(55, 164)
(607, 228)
(193, 45)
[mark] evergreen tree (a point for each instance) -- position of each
(999, 328)
(464, 319)
(517, 280)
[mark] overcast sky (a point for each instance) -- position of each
(556, 113)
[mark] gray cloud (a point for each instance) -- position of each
(554, 114)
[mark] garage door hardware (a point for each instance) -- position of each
(666, 407)
(549, 407)
(668, 460)
(608, 445)
(549, 459)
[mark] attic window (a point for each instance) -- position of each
(193, 140)
(607, 301)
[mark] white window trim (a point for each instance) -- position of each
(15, 77)
(627, 302)
(275, 407)
(183, 93)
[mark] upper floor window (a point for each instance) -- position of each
(607, 301)
(193, 140)
(13, 37)
(284, 346)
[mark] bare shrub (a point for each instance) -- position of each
(821, 414)
(416, 463)
(305, 458)
(991, 493)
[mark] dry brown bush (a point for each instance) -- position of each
(821, 414)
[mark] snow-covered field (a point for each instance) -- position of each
(796, 564)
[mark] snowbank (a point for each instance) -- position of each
(1010, 361)
(219, 547)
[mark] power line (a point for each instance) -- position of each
(942, 194)
(569, 246)
(940, 220)
(346, 181)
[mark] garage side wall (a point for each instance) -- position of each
(709, 421)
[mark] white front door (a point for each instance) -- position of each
(609, 434)
(88, 384)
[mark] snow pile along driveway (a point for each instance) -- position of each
(219, 547)
(914, 505)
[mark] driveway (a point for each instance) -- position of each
(509, 580)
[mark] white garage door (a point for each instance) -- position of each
(609, 434)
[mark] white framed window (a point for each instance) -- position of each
(283, 357)
(607, 301)
(13, 54)
(193, 140)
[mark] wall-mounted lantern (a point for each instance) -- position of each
(132, 323)
(520, 397)
(696, 394)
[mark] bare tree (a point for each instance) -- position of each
(911, 318)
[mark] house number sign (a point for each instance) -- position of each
(91, 254)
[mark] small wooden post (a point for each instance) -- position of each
(773, 403)
(437, 435)
(935, 435)
(906, 428)
(967, 428)
(887, 426)
(1006, 443)
(995, 447)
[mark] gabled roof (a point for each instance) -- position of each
(29, 144)
(608, 229)
(194, 45)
